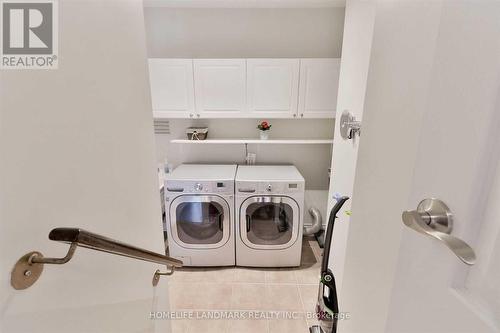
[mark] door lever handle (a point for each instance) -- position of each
(434, 219)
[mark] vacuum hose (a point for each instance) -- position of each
(316, 223)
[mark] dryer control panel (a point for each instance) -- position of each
(222, 187)
(269, 187)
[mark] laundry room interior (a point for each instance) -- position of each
(247, 115)
(224, 33)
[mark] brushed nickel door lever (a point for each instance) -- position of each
(434, 219)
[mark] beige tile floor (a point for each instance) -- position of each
(237, 289)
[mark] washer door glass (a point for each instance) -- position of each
(200, 222)
(270, 222)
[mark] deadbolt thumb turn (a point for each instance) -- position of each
(433, 218)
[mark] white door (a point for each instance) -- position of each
(77, 150)
(430, 130)
(272, 87)
(220, 87)
(319, 85)
(172, 87)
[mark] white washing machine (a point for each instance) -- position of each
(269, 218)
(200, 214)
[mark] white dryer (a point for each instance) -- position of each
(200, 214)
(269, 219)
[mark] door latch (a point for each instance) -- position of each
(349, 126)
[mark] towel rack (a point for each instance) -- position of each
(29, 267)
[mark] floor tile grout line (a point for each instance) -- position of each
(301, 300)
(268, 326)
(296, 277)
(303, 307)
(255, 283)
(237, 310)
(231, 303)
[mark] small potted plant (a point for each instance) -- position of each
(264, 128)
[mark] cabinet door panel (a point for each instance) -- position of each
(319, 80)
(172, 88)
(272, 87)
(220, 87)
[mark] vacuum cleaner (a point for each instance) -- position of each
(327, 308)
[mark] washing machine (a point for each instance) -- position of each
(269, 219)
(199, 201)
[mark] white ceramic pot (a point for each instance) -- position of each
(264, 135)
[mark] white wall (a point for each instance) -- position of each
(244, 33)
(77, 150)
(358, 32)
(312, 160)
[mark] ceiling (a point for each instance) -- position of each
(244, 3)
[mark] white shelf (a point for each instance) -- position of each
(256, 141)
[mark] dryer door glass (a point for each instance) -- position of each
(200, 222)
(269, 223)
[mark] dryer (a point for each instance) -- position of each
(200, 214)
(269, 218)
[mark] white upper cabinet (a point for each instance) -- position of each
(244, 88)
(319, 81)
(220, 87)
(172, 87)
(272, 87)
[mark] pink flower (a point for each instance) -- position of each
(264, 126)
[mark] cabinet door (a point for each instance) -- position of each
(319, 82)
(172, 88)
(220, 87)
(272, 87)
